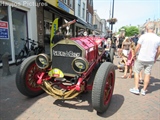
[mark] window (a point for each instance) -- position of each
(20, 30)
(91, 2)
(71, 4)
(79, 2)
(87, 19)
(90, 18)
(83, 11)
(13, 31)
(66, 2)
(79, 8)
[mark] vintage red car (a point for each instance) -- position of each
(65, 73)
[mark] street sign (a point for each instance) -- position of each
(4, 33)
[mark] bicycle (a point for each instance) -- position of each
(24, 52)
(34, 49)
(38, 49)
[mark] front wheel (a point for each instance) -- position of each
(103, 87)
(26, 78)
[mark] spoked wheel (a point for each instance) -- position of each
(103, 87)
(26, 78)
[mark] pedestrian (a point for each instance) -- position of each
(135, 39)
(126, 46)
(120, 40)
(149, 50)
(141, 81)
(57, 37)
(130, 61)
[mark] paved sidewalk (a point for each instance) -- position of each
(124, 105)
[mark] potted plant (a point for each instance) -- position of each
(112, 20)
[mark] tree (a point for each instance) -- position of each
(130, 30)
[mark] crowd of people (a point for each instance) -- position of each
(138, 54)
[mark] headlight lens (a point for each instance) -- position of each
(80, 65)
(43, 61)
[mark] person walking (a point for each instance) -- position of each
(149, 50)
(135, 39)
(130, 61)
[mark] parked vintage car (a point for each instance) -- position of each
(65, 74)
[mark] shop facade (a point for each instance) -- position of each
(17, 20)
(34, 19)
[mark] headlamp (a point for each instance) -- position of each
(43, 61)
(80, 65)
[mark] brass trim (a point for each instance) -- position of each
(85, 61)
(70, 42)
(59, 93)
(46, 57)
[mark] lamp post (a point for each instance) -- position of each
(112, 14)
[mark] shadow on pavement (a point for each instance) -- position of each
(116, 103)
(154, 85)
(12, 103)
(74, 103)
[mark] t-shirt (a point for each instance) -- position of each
(121, 40)
(149, 44)
(135, 39)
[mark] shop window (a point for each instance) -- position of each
(48, 19)
(20, 30)
(71, 4)
(83, 10)
(5, 41)
(79, 8)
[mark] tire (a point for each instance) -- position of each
(27, 71)
(103, 84)
(111, 54)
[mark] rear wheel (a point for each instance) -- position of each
(26, 78)
(111, 54)
(103, 87)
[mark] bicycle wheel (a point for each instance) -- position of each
(20, 57)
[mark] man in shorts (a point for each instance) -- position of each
(149, 50)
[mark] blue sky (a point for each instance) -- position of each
(128, 12)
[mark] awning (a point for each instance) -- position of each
(61, 13)
(68, 16)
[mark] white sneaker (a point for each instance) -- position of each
(134, 90)
(143, 92)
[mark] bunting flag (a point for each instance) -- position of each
(53, 30)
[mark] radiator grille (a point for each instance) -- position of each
(63, 55)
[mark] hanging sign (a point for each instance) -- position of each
(4, 34)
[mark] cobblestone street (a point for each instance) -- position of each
(124, 105)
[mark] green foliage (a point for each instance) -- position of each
(130, 30)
